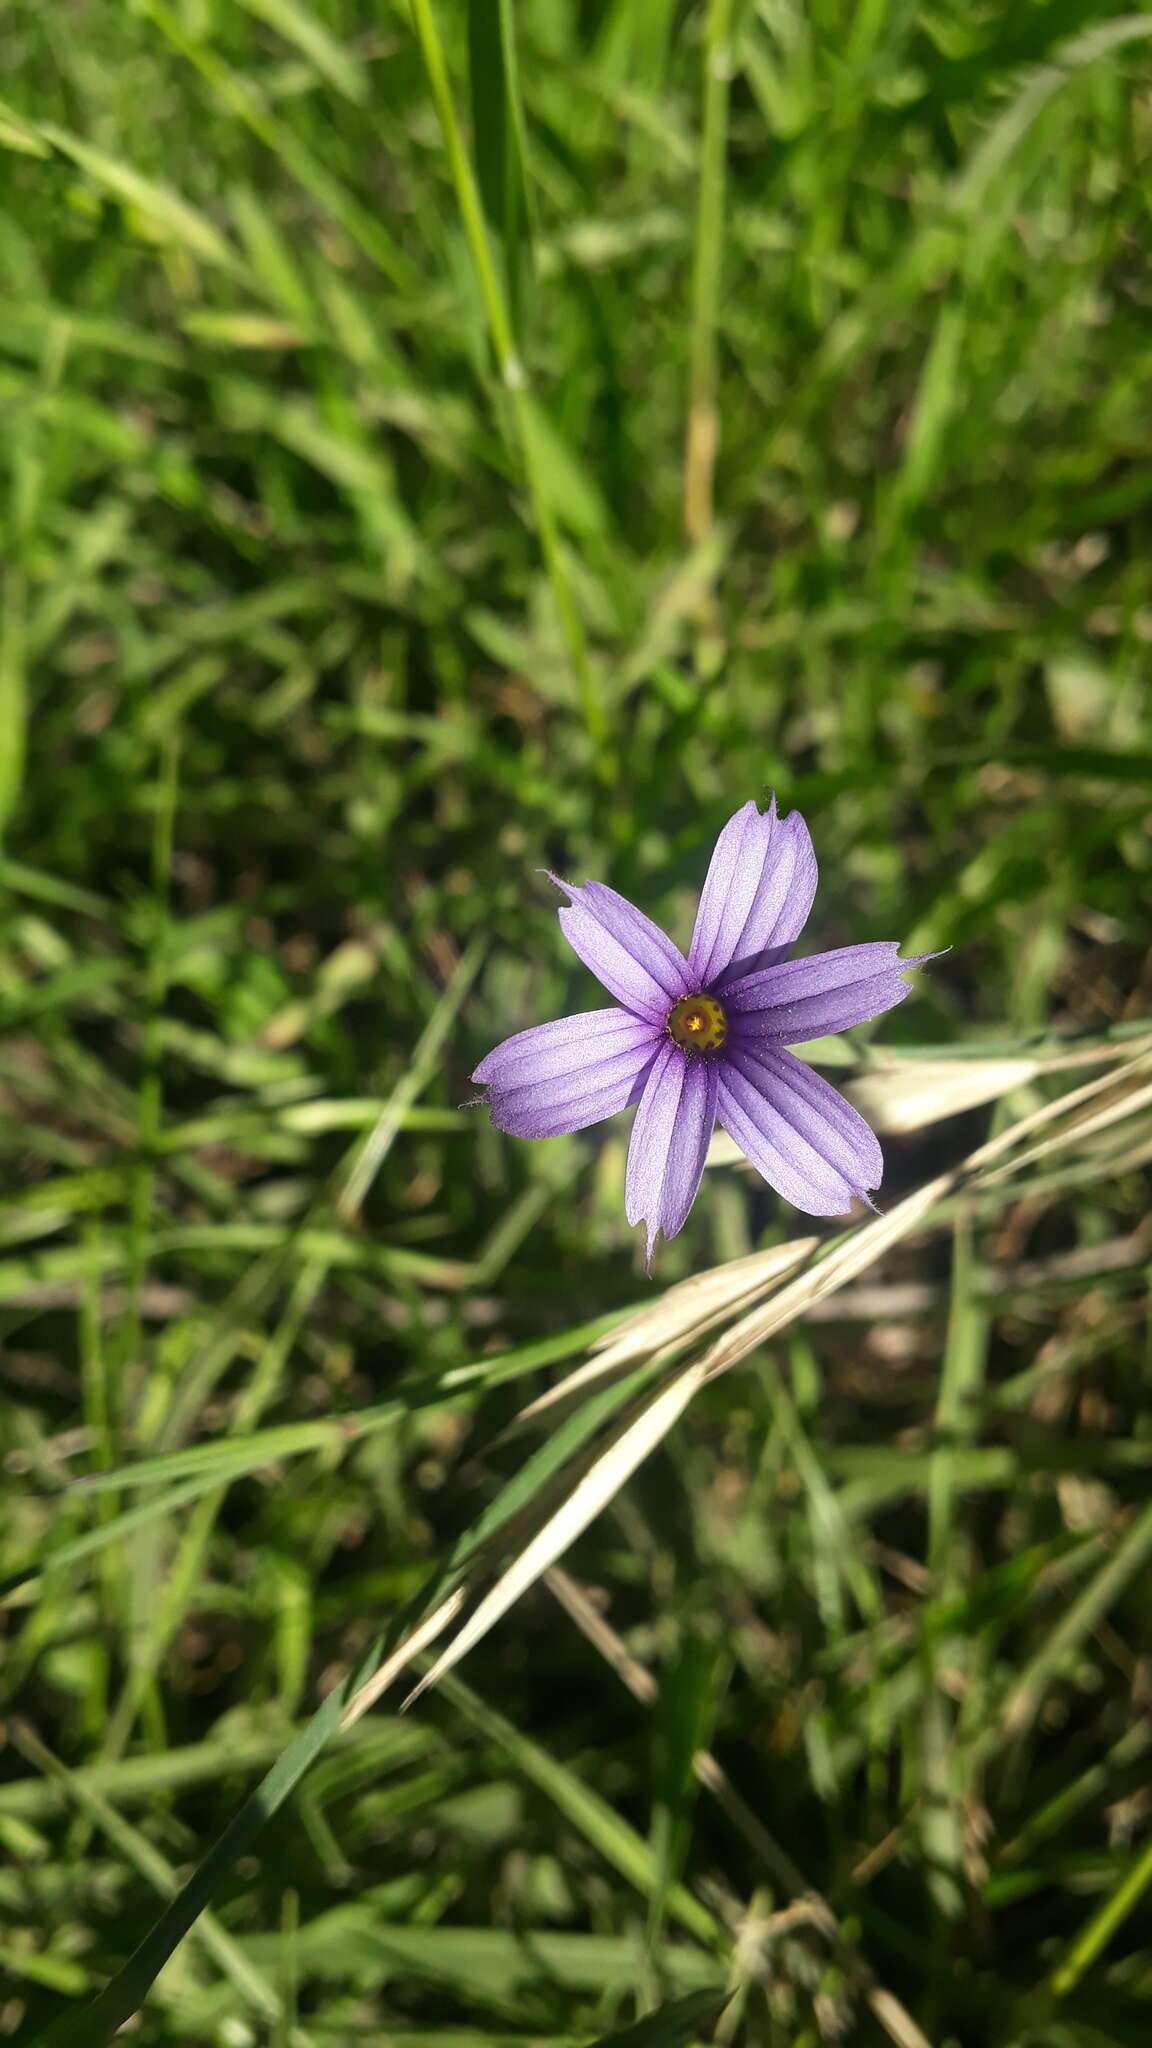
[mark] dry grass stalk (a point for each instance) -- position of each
(687, 1308)
(680, 1316)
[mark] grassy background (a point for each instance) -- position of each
(364, 552)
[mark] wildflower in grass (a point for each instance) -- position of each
(700, 1041)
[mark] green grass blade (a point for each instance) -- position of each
(100, 2021)
(607, 1831)
(250, 1986)
(513, 372)
(703, 415)
(673, 2025)
(499, 144)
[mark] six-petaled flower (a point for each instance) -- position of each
(699, 1041)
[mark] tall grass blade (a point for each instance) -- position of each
(499, 139)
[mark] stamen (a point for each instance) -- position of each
(698, 1024)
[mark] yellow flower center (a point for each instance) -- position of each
(698, 1024)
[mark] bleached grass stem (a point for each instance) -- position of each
(636, 1438)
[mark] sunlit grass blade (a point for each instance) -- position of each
(13, 694)
(169, 216)
(1109, 1916)
(513, 373)
(703, 432)
(499, 139)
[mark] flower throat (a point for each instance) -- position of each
(698, 1024)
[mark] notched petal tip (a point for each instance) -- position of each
(757, 893)
(629, 955)
(921, 959)
(571, 889)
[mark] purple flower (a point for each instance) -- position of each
(700, 1041)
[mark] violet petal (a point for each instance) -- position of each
(669, 1143)
(566, 1075)
(546, 1051)
(797, 1130)
(800, 999)
(757, 893)
(627, 952)
(735, 873)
